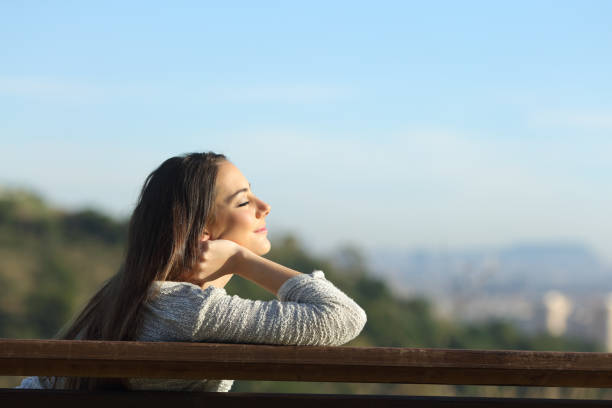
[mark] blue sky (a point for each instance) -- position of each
(435, 124)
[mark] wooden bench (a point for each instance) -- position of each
(293, 363)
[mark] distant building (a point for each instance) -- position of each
(608, 326)
(558, 308)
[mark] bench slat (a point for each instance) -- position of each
(300, 363)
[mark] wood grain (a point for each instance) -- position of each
(301, 363)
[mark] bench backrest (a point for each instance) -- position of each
(293, 363)
(302, 363)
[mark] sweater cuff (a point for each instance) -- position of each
(288, 289)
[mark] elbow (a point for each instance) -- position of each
(330, 325)
(357, 323)
(348, 326)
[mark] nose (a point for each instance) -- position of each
(263, 208)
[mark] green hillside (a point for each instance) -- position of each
(51, 262)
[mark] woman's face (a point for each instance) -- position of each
(239, 215)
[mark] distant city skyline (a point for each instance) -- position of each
(434, 125)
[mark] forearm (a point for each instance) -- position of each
(264, 272)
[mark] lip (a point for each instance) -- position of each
(262, 229)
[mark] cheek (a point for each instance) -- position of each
(242, 221)
(236, 225)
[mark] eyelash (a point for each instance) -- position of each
(243, 204)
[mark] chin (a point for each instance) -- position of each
(263, 249)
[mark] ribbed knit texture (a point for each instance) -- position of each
(310, 310)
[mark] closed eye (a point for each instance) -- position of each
(243, 204)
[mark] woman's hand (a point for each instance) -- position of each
(218, 260)
(221, 258)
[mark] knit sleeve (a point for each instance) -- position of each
(310, 310)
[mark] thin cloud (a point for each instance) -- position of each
(582, 120)
(70, 90)
(292, 93)
(50, 88)
(591, 120)
(74, 91)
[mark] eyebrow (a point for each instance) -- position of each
(242, 190)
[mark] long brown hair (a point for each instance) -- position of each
(175, 205)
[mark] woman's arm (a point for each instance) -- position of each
(310, 311)
(264, 272)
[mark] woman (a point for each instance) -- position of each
(196, 224)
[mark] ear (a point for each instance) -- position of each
(205, 236)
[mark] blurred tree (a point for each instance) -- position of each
(50, 306)
(90, 224)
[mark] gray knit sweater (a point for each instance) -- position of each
(310, 310)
